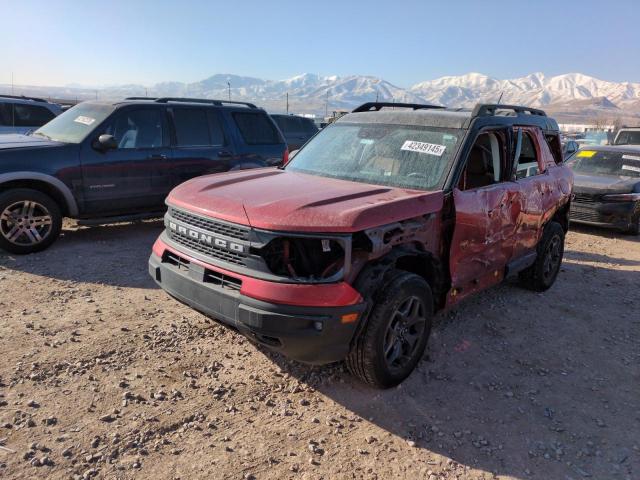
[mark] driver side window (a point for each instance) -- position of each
(142, 128)
(486, 161)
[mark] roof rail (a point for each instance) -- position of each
(202, 100)
(142, 98)
(375, 106)
(489, 110)
(23, 97)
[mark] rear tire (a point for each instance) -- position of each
(30, 221)
(396, 333)
(542, 274)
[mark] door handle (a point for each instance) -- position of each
(157, 156)
(224, 154)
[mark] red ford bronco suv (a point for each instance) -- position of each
(383, 218)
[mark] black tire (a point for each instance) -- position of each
(542, 274)
(30, 221)
(367, 359)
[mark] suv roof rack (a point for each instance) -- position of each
(203, 100)
(490, 109)
(376, 106)
(23, 97)
(192, 100)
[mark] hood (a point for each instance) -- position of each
(603, 184)
(282, 200)
(14, 140)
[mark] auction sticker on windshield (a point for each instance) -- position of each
(586, 153)
(422, 147)
(84, 120)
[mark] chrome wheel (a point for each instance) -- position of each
(404, 332)
(552, 257)
(25, 223)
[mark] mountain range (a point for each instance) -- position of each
(571, 95)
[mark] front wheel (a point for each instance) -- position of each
(30, 221)
(396, 333)
(542, 274)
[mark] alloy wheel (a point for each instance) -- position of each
(404, 332)
(552, 257)
(25, 223)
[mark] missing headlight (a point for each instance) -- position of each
(304, 258)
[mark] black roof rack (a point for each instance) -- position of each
(23, 97)
(490, 109)
(203, 100)
(375, 106)
(192, 100)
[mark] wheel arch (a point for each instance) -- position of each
(409, 259)
(44, 183)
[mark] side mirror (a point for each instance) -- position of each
(105, 142)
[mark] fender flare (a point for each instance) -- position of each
(56, 183)
(374, 276)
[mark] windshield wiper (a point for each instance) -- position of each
(42, 135)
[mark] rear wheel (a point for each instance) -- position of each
(542, 274)
(30, 221)
(395, 336)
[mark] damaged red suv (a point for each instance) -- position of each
(382, 219)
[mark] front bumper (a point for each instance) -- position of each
(310, 334)
(619, 215)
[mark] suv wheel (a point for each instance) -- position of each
(542, 274)
(30, 221)
(396, 333)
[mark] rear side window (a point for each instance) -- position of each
(6, 110)
(309, 126)
(256, 128)
(22, 115)
(192, 127)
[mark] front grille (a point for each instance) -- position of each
(209, 250)
(586, 215)
(210, 276)
(585, 199)
(213, 226)
(223, 281)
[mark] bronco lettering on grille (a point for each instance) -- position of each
(206, 238)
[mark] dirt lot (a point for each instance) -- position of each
(103, 375)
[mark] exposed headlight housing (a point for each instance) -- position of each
(305, 258)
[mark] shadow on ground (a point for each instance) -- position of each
(518, 383)
(112, 255)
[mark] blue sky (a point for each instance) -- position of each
(404, 42)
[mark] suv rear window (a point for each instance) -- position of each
(256, 128)
(23, 115)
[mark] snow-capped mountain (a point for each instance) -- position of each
(534, 90)
(313, 93)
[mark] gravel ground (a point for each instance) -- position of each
(104, 376)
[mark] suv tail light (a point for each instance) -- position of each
(285, 157)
